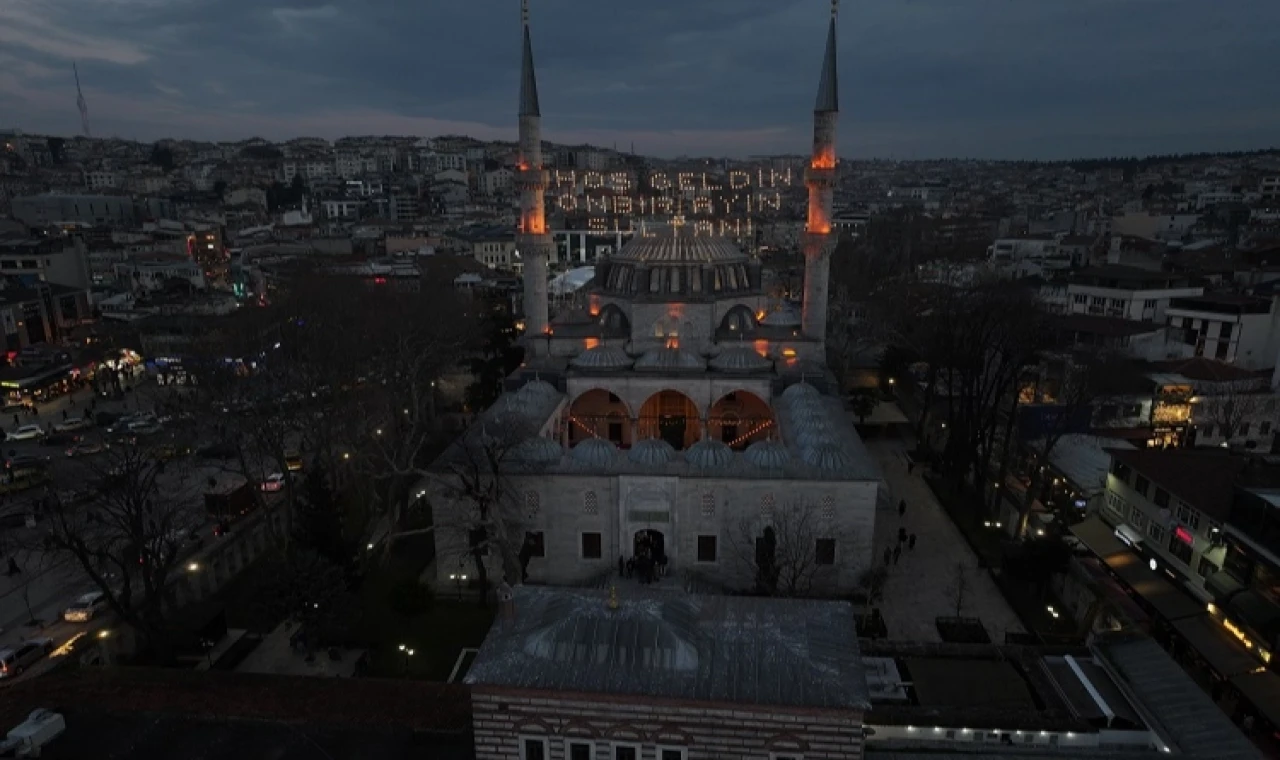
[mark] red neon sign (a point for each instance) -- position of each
(1184, 535)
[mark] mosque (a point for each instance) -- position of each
(676, 413)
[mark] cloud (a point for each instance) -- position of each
(981, 78)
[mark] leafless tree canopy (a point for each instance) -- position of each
(779, 554)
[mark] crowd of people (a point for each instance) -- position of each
(649, 562)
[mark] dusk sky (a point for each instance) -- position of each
(919, 78)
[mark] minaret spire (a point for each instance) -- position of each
(820, 179)
(533, 243)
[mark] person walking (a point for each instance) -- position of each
(911, 541)
(16, 421)
(902, 508)
(897, 553)
(902, 535)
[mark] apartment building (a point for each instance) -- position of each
(1237, 329)
(1127, 292)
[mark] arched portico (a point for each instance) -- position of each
(598, 413)
(671, 416)
(740, 418)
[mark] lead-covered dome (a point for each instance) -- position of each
(602, 358)
(651, 452)
(800, 390)
(770, 455)
(740, 359)
(826, 456)
(537, 450)
(668, 264)
(537, 389)
(594, 452)
(671, 359)
(709, 454)
(783, 316)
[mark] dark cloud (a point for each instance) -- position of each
(999, 78)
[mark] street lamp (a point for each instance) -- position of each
(193, 567)
(458, 579)
(407, 652)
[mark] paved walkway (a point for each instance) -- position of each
(922, 585)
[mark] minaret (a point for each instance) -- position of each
(533, 241)
(820, 178)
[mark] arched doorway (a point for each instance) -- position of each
(740, 419)
(598, 413)
(671, 416)
(649, 543)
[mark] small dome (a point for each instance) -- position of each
(670, 359)
(739, 359)
(770, 455)
(783, 316)
(708, 454)
(826, 456)
(602, 358)
(800, 390)
(651, 452)
(814, 435)
(537, 389)
(594, 452)
(537, 450)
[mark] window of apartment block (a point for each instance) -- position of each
(706, 548)
(626, 752)
(1155, 532)
(1224, 332)
(1120, 470)
(591, 546)
(825, 551)
(1149, 303)
(1180, 549)
(1161, 498)
(1140, 485)
(1117, 303)
(1136, 517)
(1189, 516)
(1080, 298)
(579, 750)
(1221, 351)
(1115, 504)
(533, 749)
(672, 753)
(1098, 301)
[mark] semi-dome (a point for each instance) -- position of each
(666, 264)
(651, 452)
(783, 316)
(709, 454)
(604, 358)
(740, 359)
(770, 455)
(826, 456)
(670, 359)
(537, 450)
(594, 452)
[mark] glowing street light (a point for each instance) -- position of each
(193, 567)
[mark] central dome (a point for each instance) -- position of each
(677, 265)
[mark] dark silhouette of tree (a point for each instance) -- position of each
(162, 157)
(499, 357)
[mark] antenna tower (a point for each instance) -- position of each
(80, 104)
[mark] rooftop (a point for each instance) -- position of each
(720, 649)
(1204, 479)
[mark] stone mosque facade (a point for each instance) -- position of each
(678, 406)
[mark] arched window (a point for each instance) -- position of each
(739, 319)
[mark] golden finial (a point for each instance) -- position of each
(613, 597)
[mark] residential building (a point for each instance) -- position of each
(342, 208)
(496, 250)
(103, 180)
(156, 271)
(41, 314)
(51, 209)
(1127, 292)
(58, 260)
(1237, 329)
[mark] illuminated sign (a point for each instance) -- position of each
(714, 203)
(1184, 536)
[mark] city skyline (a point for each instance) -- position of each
(923, 78)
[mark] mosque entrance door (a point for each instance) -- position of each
(650, 543)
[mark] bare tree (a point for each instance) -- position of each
(1228, 406)
(872, 582)
(959, 588)
(781, 553)
(127, 538)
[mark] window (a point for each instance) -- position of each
(533, 749)
(798, 756)
(672, 753)
(591, 546)
(1221, 351)
(1137, 517)
(578, 750)
(1099, 301)
(1180, 550)
(1080, 298)
(825, 551)
(1189, 516)
(706, 548)
(626, 752)
(591, 503)
(1208, 431)
(1161, 498)
(1140, 485)
(1155, 532)
(1120, 470)
(1224, 332)
(1149, 303)
(1244, 429)
(536, 544)
(708, 504)
(828, 507)
(1115, 504)
(1117, 303)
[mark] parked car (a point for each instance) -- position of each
(25, 433)
(71, 424)
(85, 448)
(273, 483)
(85, 607)
(145, 427)
(14, 661)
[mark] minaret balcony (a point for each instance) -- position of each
(534, 179)
(821, 176)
